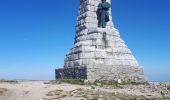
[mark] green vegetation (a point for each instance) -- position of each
(92, 87)
(103, 82)
(129, 82)
(100, 83)
(8, 81)
(2, 90)
(95, 98)
(70, 81)
(166, 98)
(168, 88)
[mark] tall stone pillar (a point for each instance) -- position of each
(98, 53)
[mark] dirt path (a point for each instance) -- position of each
(28, 90)
(32, 90)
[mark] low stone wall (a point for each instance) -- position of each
(124, 73)
(73, 73)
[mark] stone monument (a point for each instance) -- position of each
(98, 53)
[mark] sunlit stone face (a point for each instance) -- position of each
(99, 53)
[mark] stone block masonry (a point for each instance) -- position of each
(98, 53)
(73, 73)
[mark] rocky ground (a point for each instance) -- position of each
(52, 90)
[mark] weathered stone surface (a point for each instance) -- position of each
(76, 73)
(99, 53)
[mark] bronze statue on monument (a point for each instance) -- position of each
(103, 13)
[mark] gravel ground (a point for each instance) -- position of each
(44, 90)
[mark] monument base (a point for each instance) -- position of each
(115, 73)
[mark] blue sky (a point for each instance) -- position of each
(35, 35)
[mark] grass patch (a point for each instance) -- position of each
(103, 82)
(168, 88)
(131, 82)
(70, 81)
(8, 81)
(95, 98)
(100, 83)
(3, 90)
